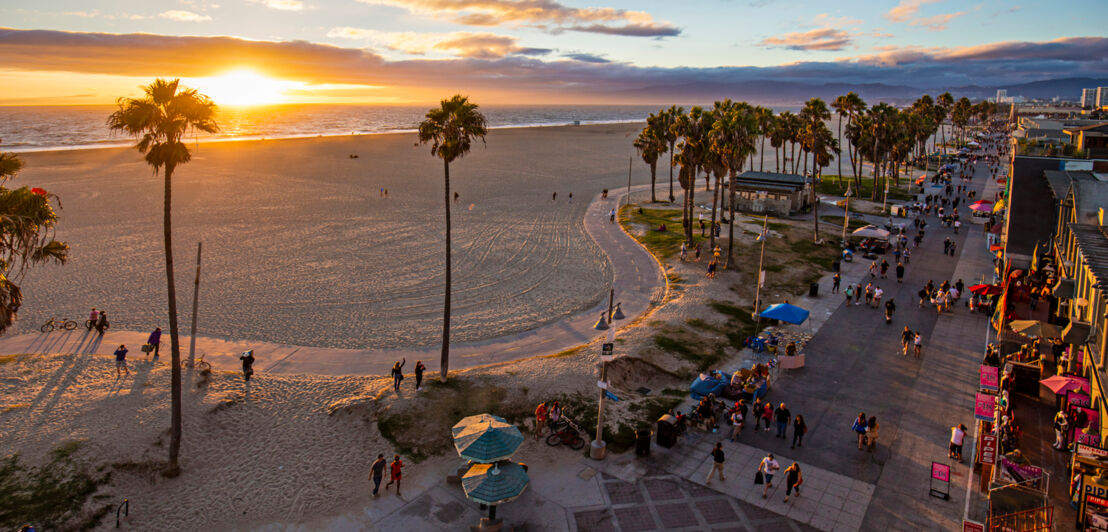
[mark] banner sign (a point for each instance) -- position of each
(940, 471)
(984, 407)
(1087, 428)
(1096, 513)
(990, 378)
(1013, 473)
(988, 449)
(1092, 454)
(972, 526)
(1078, 399)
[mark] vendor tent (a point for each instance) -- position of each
(981, 207)
(788, 313)
(1060, 385)
(985, 289)
(871, 231)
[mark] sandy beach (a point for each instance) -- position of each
(300, 247)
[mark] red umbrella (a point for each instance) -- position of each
(1059, 385)
(985, 289)
(982, 202)
(996, 247)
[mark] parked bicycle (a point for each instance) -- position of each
(56, 324)
(199, 364)
(567, 433)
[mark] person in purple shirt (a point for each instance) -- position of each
(121, 361)
(155, 340)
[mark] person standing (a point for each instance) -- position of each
(835, 283)
(918, 348)
(540, 419)
(890, 308)
(871, 433)
(398, 374)
(906, 338)
(102, 322)
(782, 416)
(849, 292)
(767, 413)
(767, 467)
(612, 216)
(684, 251)
(377, 472)
(92, 318)
(793, 480)
(395, 473)
(1060, 426)
(799, 428)
(756, 412)
(899, 272)
(953, 246)
(419, 369)
(717, 463)
(247, 358)
(121, 361)
(859, 427)
(155, 341)
(736, 425)
(957, 436)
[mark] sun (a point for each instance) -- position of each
(242, 87)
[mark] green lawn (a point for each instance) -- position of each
(829, 185)
(855, 222)
(662, 244)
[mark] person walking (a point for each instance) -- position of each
(766, 468)
(871, 433)
(736, 425)
(717, 463)
(121, 361)
(419, 369)
(377, 472)
(155, 341)
(398, 374)
(395, 472)
(684, 251)
(612, 216)
(890, 308)
(835, 283)
(859, 427)
(858, 294)
(92, 318)
(849, 293)
(906, 338)
(799, 428)
(782, 416)
(540, 419)
(917, 349)
(957, 437)
(247, 358)
(884, 269)
(756, 412)
(953, 247)
(899, 272)
(793, 480)
(102, 323)
(767, 413)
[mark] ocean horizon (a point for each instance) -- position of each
(48, 128)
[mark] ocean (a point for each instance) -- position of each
(40, 128)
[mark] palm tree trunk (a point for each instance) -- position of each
(692, 198)
(762, 156)
(671, 196)
(686, 212)
(712, 229)
(815, 207)
(731, 216)
(840, 155)
(777, 158)
(174, 342)
(653, 170)
(444, 361)
(792, 153)
(876, 168)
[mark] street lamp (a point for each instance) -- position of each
(846, 216)
(599, 448)
(761, 273)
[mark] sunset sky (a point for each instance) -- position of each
(265, 51)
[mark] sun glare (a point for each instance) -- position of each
(243, 87)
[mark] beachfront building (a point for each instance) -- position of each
(1088, 98)
(771, 193)
(1091, 139)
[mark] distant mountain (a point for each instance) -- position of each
(790, 93)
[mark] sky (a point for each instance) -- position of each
(529, 51)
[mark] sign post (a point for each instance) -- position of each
(940, 473)
(988, 448)
(990, 378)
(985, 407)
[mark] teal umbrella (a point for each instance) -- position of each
(486, 438)
(494, 484)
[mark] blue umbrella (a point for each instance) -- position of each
(786, 313)
(494, 484)
(486, 438)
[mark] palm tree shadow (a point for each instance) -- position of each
(60, 382)
(94, 344)
(140, 375)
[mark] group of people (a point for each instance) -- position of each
(547, 414)
(867, 431)
(153, 344)
(944, 297)
(398, 374)
(767, 468)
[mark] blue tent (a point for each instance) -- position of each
(713, 384)
(786, 313)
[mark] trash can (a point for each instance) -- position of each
(642, 442)
(813, 290)
(667, 433)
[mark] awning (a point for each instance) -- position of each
(1076, 332)
(1063, 289)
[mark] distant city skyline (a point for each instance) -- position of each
(528, 51)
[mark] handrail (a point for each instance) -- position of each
(125, 507)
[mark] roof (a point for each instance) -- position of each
(1031, 209)
(1070, 129)
(1059, 181)
(1092, 243)
(766, 186)
(1088, 197)
(795, 180)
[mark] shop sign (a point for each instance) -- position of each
(1088, 439)
(990, 378)
(985, 407)
(972, 526)
(1078, 399)
(1091, 453)
(988, 449)
(1092, 489)
(1096, 513)
(1014, 473)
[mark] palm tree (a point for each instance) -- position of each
(814, 114)
(765, 122)
(733, 136)
(960, 117)
(942, 110)
(667, 127)
(159, 120)
(451, 129)
(27, 223)
(841, 105)
(651, 144)
(778, 136)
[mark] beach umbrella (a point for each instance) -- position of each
(1059, 384)
(494, 484)
(1035, 329)
(871, 231)
(486, 438)
(786, 313)
(981, 207)
(983, 202)
(985, 289)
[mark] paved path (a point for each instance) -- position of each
(637, 278)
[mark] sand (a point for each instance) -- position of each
(299, 247)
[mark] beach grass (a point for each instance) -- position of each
(55, 495)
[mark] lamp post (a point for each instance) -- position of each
(846, 215)
(599, 448)
(761, 274)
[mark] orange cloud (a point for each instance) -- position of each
(906, 9)
(546, 14)
(184, 16)
(821, 39)
(460, 44)
(937, 22)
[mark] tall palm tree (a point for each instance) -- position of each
(651, 144)
(451, 129)
(693, 128)
(942, 110)
(778, 136)
(159, 120)
(667, 126)
(841, 105)
(765, 122)
(733, 135)
(960, 116)
(814, 116)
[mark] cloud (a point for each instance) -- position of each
(184, 16)
(825, 20)
(543, 79)
(821, 39)
(937, 22)
(587, 58)
(281, 5)
(548, 15)
(460, 44)
(906, 9)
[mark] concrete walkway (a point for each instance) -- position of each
(638, 280)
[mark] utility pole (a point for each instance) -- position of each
(846, 216)
(758, 288)
(195, 302)
(599, 448)
(629, 160)
(885, 199)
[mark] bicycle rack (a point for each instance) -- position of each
(125, 507)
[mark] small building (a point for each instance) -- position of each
(771, 193)
(1091, 139)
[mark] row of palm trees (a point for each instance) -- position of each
(718, 141)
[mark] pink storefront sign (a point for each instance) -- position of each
(984, 407)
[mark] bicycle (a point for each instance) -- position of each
(55, 323)
(569, 435)
(199, 364)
